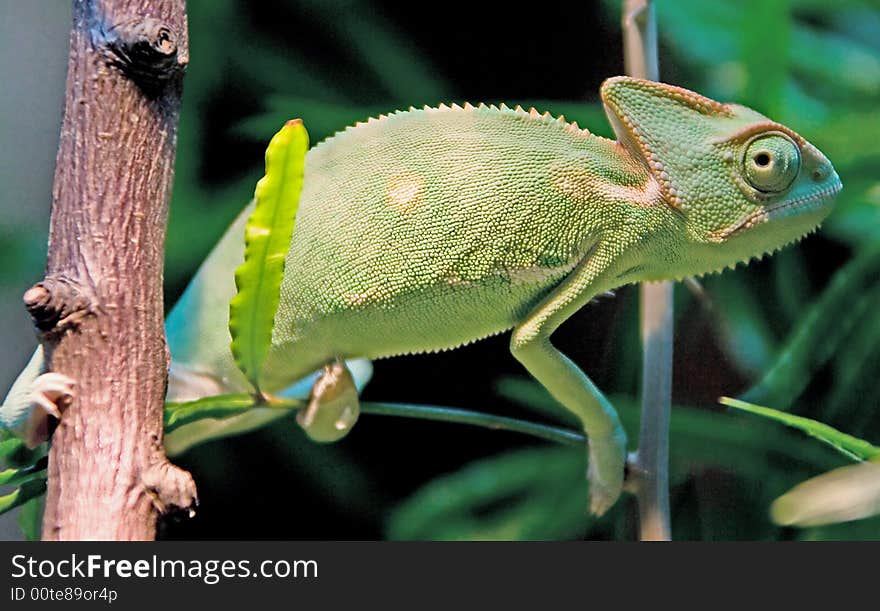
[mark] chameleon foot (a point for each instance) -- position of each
(48, 392)
(333, 406)
(171, 488)
(607, 460)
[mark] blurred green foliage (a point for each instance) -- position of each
(800, 328)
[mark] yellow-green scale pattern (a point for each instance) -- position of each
(428, 229)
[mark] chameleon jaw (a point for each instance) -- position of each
(806, 203)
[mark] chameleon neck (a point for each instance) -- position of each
(606, 175)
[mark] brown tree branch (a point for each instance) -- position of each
(100, 306)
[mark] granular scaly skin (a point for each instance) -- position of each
(466, 219)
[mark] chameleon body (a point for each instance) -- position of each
(428, 229)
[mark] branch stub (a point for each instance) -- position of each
(145, 49)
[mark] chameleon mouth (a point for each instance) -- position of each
(806, 203)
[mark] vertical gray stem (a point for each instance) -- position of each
(650, 465)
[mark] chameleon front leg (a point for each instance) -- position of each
(35, 395)
(333, 405)
(530, 344)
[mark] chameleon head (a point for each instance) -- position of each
(743, 184)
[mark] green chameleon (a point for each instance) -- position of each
(428, 229)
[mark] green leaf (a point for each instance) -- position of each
(14, 453)
(15, 477)
(26, 492)
(702, 437)
(30, 518)
(10, 446)
(267, 239)
(209, 418)
(202, 430)
(218, 406)
(852, 447)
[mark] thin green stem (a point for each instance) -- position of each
(233, 405)
(464, 416)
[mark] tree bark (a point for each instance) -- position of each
(100, 308)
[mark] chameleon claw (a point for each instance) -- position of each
(51, 389)
(49, 392)
(606, 467)
(171, 488)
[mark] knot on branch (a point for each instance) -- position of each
(56, 304)
(148, 50)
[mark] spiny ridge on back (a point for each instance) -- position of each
(527, 115)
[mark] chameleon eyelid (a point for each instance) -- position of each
(745, 153)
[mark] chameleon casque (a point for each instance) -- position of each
(428, 229)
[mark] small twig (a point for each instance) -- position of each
(640, 40)
(464, 416)
(649, 470)
(233, 405)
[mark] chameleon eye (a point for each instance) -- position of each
(771, 163)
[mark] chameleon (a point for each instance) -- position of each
(427, 229)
